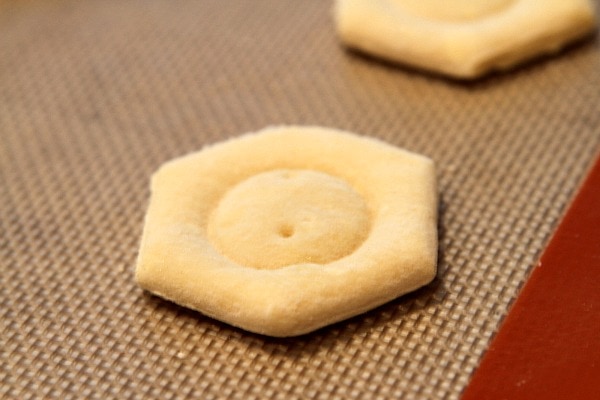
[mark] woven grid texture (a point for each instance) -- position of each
(94, 96)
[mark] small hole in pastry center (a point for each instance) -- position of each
(286, 231)
(284, 217)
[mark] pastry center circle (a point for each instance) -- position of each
(289, 216)
(454, 10)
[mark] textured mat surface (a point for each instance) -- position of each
(94, 96)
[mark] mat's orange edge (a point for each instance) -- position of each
(548, 347)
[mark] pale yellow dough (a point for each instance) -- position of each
(462, 38)
(289, 229)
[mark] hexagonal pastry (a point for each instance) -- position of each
(462, 38)
(289, 229)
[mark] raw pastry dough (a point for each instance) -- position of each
(289, 229)
(462, 38)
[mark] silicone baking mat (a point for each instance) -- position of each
(94, 96)
(548, 345)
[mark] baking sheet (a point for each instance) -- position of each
(94, 96)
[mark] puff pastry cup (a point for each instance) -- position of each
(462, 38)
(286, 230)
